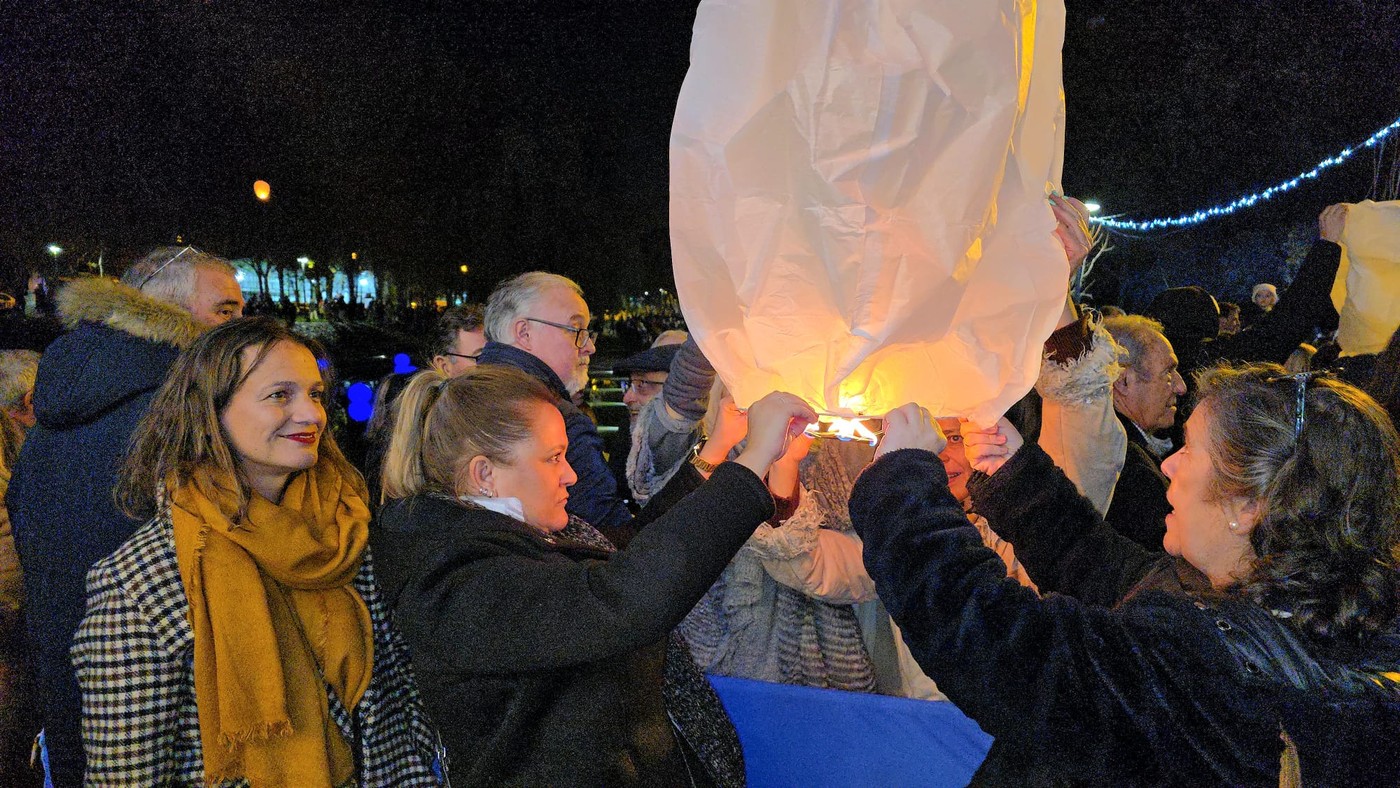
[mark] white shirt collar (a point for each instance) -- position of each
(1158, 446)
(510, 507)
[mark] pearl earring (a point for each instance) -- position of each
(1234, 526)
(485, 493)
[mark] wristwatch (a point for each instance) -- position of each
(700, 463)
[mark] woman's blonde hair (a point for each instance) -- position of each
(444, 422)
(182, 431)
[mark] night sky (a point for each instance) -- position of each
(523, 134)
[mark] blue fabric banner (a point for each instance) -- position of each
(807, 738)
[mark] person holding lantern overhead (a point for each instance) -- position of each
(545, 653)
(1262, 650)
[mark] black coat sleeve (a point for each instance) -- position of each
(1135, 696)
(472, 602)
(1059, 537)
(1307, 303)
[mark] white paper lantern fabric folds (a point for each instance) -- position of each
(858, 199)
(1367, 290)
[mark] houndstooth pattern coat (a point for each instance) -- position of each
(134, 656)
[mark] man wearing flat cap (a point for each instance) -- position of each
(643, 374)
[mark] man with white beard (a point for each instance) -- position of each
(538, 322)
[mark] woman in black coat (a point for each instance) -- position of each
(1263, 649)
(543, 653)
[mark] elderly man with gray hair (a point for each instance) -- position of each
(1145, 396)
(93, 385)
(538, 322)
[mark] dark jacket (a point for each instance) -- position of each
(94, 385)
(1174, 686)
(594, 497)
(541, 658)
(1306, 305)
(1139, 508)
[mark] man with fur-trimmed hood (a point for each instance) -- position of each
(93, 386)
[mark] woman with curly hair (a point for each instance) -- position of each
(1263, 649)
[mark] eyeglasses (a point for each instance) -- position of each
(582, 336)
(161, 267)
(463, 355)
(1300, 379)
(647, 388)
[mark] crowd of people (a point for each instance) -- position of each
(1173, 563)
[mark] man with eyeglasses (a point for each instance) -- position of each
(94, 384)
(461, 335)
(642, 375)
(538, 322)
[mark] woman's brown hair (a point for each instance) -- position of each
(182, 431)
(1328, 484)
(444, 422)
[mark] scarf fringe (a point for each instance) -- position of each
(260, 732)
(201, 542)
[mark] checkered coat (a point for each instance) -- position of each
(134, 656)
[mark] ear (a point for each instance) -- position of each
(1246, 513)
(520, 333)
(440, 364)
(1120, 385)
(478, 477)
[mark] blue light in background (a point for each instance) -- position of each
(361, 402)
(402, 366)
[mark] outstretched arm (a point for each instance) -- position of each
(1059, 680)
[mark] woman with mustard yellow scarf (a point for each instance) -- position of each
(238, 637)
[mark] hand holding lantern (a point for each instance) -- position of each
(988, 448)
(773, 421)
(910, 426)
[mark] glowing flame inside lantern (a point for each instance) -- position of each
(844, 429)
(262, 190)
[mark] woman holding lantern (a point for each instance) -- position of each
(545, 652)
(1261, 650)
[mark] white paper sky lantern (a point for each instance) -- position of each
(858, 209)
(1366, 292)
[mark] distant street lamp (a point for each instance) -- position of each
(262, 190)
(55, 250)
(1093, 207)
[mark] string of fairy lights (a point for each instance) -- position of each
(1248, 200)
